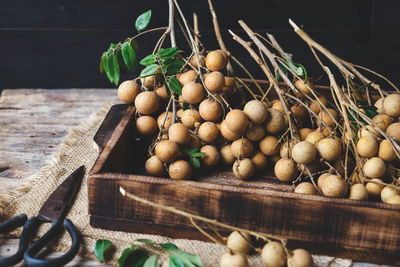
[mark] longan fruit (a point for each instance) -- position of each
(242, 146)
(215, 61)
(300, 258)
(154, 166)
(374, 167)
(305, 188)
(394, 200)
(236, 120)
(194, 141)
(304, 87)
(386, 151)
(179, 113)
(243, 169)
(260, 161)
(285, 170)
(146, 125)
(226, 155)
(269, 145)
(275, 121)
(128, 90)
(374, 189)
(192, 92)
(167, 151)
(233, 260)
(316, 106)
(334, 186)
(208, 132)
(194, 63)
(229, 86)
(329, 149)
(256, 111)
(276, 104)
(256, 132)
(228, 134)
(326, 118)
(214, 81)
(286, 149)
(161, 91)
(391, 105)
(210, 110)
(321, 180)
(304, 132)
(224, 54)
(367, 130)
(394, 131)
(147, 102)
(299, 112)
(314, 137)
(273, 254)
(211, 158)
(149, 81)
(304, 152)
(190, 117)
(168, 120)
(367, 146)
(180, 170)
(359, 192)
(379, 105)
(239, 242)
(188, 76)
(179, 133)
(382, 121)
(388, 192)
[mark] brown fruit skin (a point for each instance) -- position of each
(149, 81)
(316, 106)
(394, 131)
(321, 180)
(210, 110)
(256, 111)
(275, 121)
(300, 85)
(374, 167)
(256, 132)
(226, 155)
(386, 151)
(168, 122)
(224, 54)
(334, 186)
(286, 150)
(146, 125)
(285, 170)
(228, 134)
(305, 188)
(188, 76)
(214, 81)
(394, 200)
(180, 170)
(367, 130)
(155, 167)
(329, 149)
(269, 145)
(190, 117)
(324, 116)
(379, 105)
(260, 161)
(299, 112)
(245, 147)
(314, 137)
(304, 152)
(127, 91)
(211, 158)
(243, 169)
(358, 192)
(167, 151)
(229, 86)
(276, 104)
(300, 258)
(239, 242)
(304, 132)
(237, 121)
(179, 133)
(208, 132)
(388, 192)
(215, 61)
(147, 102)
(367, 146)
(192, 92)
(233, 260)
(391, 105)
(162, 92)
(194, 141)
(382, 121)
(193, 61)
(373, 188)
(273, 254)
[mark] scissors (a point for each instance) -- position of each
(53, 210)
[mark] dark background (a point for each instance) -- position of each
(58, 43)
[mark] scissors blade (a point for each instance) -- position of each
(62, 198)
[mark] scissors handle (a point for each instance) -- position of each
(30, 253)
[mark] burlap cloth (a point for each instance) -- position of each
(78, 149)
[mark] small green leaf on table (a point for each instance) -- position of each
(175, 262)
(195, 162)
(174, 85)
(168, 246)
(152, 262)
(143, 20)
(132, 257)
(185, 257)
(100, 248)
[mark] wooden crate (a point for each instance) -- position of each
(361, 230)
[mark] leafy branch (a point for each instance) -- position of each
(194, 156)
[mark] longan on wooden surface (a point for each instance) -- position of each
(146, 125)
(243, 169)
(300, 258)
(285, 170)
(374, 167)
(359, 192)
(239, 242)
(388, 192)
(256, 111)
(167, 151)
(180, 170)
(226, 155)
(208, 132)
(304, 152)
(154, 166)
(273, 254)
(270, 145)
(305, 188)
(128, 90)
(374, 187)
(210, 110)
(329, 149)
(211, 156)
(147, 102)
(193, 92)
(321, 180)
(334, 186)
(260, 161)
(233, 260)
(242, 146)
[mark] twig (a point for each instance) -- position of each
(171, 27)
(196, 28)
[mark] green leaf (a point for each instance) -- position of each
(292, 66)
(168, 246)
(100, 248)
(129, 56)
(110, 67)
(132, 257)
(134, 45)
(195, 162)
(364, 86)
(143, 20)
(175, 262)
(116, 69)
(198, 154)
(146, 241)
(175, 86)
(193, 259)
(147, 61)
(190, 150)
(125, 254)
(149, 70)
(173, 66)
(152, 262)
(167, 53)
(304, 71)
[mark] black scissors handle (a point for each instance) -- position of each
(30, 253)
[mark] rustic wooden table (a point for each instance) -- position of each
(32, 123)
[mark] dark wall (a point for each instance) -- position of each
(57, 43)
